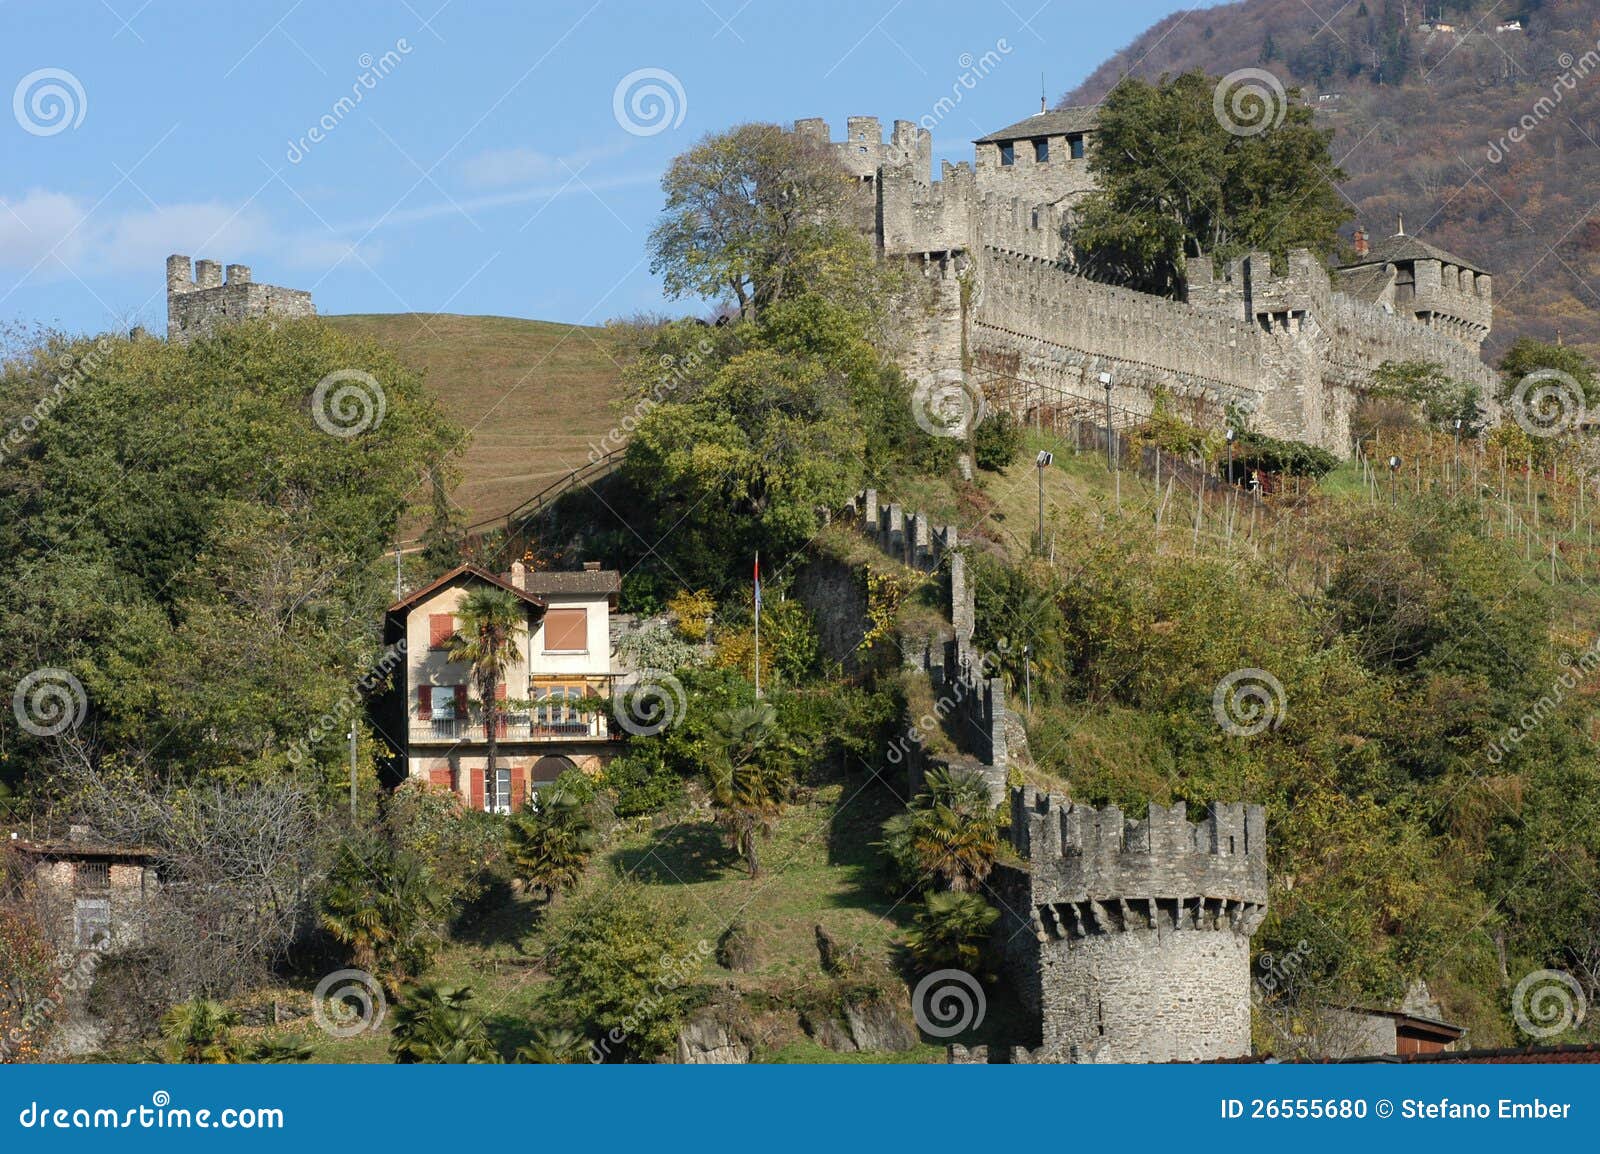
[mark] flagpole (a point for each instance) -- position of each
(758, 623)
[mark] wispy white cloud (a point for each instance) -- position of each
(49, 236)
(498, 167)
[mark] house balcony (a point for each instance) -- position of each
(513, 727)
(550, 714)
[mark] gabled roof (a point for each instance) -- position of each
(1403, 247)
(406, 603)
(1059, 122)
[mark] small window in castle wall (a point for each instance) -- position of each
(1008, 153)
(1041, 150)
(1075, 143)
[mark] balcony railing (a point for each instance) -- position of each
(514, 727)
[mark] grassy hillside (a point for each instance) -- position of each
(534, 395)
(1417, 114)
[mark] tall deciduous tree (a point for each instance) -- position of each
(754, 215)
(1178, 178)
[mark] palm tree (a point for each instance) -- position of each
(488, 623)
(550, 846)
(950, 930)
(436, 1023)
(746, 788)
(200, 1031)
(554, 1047)
(383, 906)
(950, 832)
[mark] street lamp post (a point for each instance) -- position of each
(1230, 434)
(1455, 462)
(1394, 471)
(1042, 462)
(1111, 451)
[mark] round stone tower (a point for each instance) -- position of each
(1131, 939)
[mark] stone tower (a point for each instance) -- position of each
(1131, 939)
(198, 299)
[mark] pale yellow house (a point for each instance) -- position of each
(552, 693)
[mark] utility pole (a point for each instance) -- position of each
(758, 623)
(1027, 676)
(399, 591)
(352, 769)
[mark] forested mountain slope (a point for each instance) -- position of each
(1425, 99)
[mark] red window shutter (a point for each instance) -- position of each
(440, 775)
(519, 787)
(500, 691)
(500, 718)
(476, 777)
(461, 704)
(441, 626)
(425, 702)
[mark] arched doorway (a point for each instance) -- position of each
(547, 769)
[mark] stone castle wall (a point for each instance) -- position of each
(995, 293)
(199, 300)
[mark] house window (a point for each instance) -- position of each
(566, 631)
(1041, 150)
(441, 627)
(91, 922)
(92, 876)
(554, 708)
(1075, 144)
(497, 791)
(449, 702)
(1008, 155)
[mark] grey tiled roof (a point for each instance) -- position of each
(1060, 122)
(1404, 247)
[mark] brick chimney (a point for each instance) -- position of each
(1362, 247)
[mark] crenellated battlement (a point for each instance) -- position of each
(198, 298)
(1113, 916)
(1079, 855)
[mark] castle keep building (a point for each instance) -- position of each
(1000, 305)
(1131, 939)
(198, 299)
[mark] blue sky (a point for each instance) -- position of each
(485, 167)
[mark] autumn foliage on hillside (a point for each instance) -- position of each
(1486, 141)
